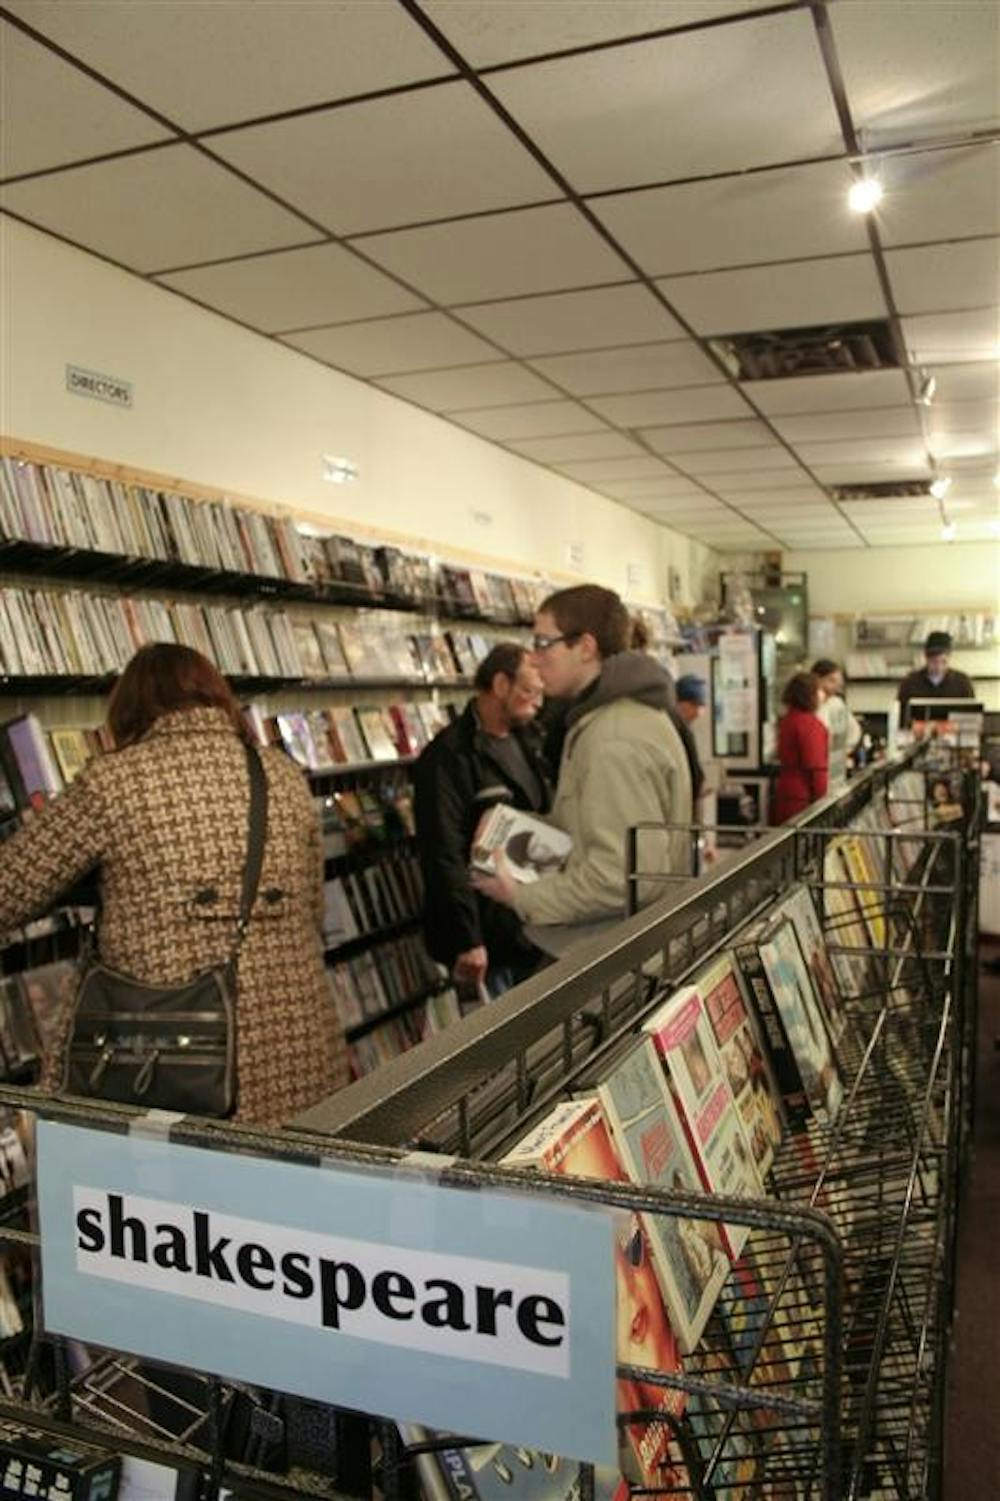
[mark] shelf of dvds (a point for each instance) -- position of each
(70, 518)
(398, 1009)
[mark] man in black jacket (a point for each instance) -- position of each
(487, 756)
(937, 678)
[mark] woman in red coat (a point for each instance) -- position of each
(803, 749)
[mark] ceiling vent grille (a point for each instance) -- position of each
(889, 489)
(782, 352)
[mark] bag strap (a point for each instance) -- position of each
(256, 836)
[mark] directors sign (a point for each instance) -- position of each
(477, 1312)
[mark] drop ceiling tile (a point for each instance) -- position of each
(978, 382)
(665, 490)
(467, 387)
(734, 460)
(905, 451)
(602, 318)
(799, 295)
(771, 515)
(850, 540)
(694, 404)
(953, 189)
(608, 119)
(640, 367)
(768, 216)
(829, 393)
(913, 69)
(705, 437)
(539, 420)
(731, 485)
(376, 164)
(294, 288)
(502, 255)
(975, 487)
(847, 473)
(393, 346)
(954, 446)
(939, 278)
(641, 467)
(953, 338)
(486, 33)
(963, 416)
(53, 113)
(204, 64)
(886, 422)
(568, 450)
(161, 208)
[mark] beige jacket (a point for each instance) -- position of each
(165, 821)
(623, 763)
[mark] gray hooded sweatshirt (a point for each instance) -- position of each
(623, 763)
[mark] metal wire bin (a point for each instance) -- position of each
(821, 1370)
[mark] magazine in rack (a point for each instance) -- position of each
(747, 1068)
(798, 905)
(573, 1139)
(688, 1054)
(688, 1255)
(801, 1019)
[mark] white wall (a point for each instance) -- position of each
(945, 577)
(220, 406)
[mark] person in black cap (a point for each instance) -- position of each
(935, 679)
(692, 695)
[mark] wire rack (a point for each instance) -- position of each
(821, 1370)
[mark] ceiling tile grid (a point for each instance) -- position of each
(531, 219)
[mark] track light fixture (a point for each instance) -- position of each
(928, 388)
(865, 194)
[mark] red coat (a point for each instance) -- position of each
(803, 751)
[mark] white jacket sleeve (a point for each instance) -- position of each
(623, 787)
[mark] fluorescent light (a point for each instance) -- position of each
(865, 194)
(948, 531)
(940, 487)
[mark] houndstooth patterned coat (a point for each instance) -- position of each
(165, 820)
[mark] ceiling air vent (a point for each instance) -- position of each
(882, 489)
(847, 347)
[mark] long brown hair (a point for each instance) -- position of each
(160, 679)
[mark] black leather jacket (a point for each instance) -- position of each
(455, 780)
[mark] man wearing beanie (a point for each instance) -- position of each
(622, 764)
(936, 679)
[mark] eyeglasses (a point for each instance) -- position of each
(543, 643)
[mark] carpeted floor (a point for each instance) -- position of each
(972, 1421)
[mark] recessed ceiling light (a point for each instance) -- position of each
(940, 487)
(864, 195)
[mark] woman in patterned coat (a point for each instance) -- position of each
(163, 818)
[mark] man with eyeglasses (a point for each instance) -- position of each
(622, 764)
(486, 757)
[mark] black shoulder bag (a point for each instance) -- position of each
(168, 1047)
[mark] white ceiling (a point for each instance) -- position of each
(531, 216)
